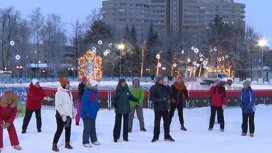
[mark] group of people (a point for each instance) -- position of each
(126, 100)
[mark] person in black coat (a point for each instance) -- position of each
(159, 95)
(120, 101)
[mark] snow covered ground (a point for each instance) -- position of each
(196, 140)
(192, 85)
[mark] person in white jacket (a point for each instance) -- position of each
(64, 113)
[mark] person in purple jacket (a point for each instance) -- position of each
(247, 102)
(88, 112)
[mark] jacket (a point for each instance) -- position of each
(8, 111)
(64, 103)
(159, 95)
(34, 97)
(247, 99)
(180, 92)
(137, 92)
(218, 95)
(89, 104)
(120, 100)
(80, 90)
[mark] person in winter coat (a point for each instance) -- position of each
(138, 92)
(120, 101)
(218, 103)
(64, 113)
(247, 102)
(88, 113)
(8, 110)
(35, 96)
(159, 95)
(180, 93)
(80, 91)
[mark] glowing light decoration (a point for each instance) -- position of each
(204, 66)
(215, 49)
(194, 63)
(200, 55)
(201, 59)
(205, 63)
(175, 65)
(219, 59)
(182, 52)
(90, 66)
(192, 48)
(12, 43)
(188, 60)
(17, 57)
(110, 45)
(159, 64)
(227, 56)
(196, 50)
(100, 42)
(158, 56)
(197, 65)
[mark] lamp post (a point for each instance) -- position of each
(121, 47)
(19, 70)
(262, 43)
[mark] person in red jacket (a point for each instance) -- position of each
(218, 103)
(8, 110)
(33, 104)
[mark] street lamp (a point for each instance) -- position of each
(19, 70)
(262, 43)
(121, 47)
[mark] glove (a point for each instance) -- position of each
(223, 107)
(244, 109)
(88, 114)
(173, 101)
(138, 102)
(215, 84)
(64, 118)
(3, 126)
(115, 105)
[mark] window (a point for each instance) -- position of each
(130, 5)
(123, 4)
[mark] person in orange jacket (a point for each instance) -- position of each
(8, 110)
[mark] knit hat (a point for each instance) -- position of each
(247, 82)
(136, 80)
(218, 80)
(34, 81)
(63, 82)
(83, 79)
(121, 81)
(93, 82)
(179, 76)
(159, 78)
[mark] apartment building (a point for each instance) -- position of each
(171, 16)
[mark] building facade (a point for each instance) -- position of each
(171, 16)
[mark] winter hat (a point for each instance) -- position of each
(136, 80)
(34, 81)
(93, 82)
(9, 95)
(83, 79)
(63, 82)
(218, 80)
(179, 76)
(121, 81)
(159, 78)
(247, 82)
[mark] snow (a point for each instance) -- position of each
(111, 85)
(196, 139)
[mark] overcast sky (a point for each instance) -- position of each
(258, 12)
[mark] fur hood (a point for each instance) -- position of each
(7, 95)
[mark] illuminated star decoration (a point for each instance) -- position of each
(90, 66)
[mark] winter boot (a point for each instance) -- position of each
(23, 131)
(68, 146)
(169, 139)
(55, 147)
(143, 129)
(17, 147)
(77, 123)
(222, 130)
(129, 130)
(244, 134)
(251, 134)
(183, 127)
(39, 130)
(210, 129)
(126, 140)
(154, 140)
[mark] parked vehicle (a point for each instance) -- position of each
(212, 76)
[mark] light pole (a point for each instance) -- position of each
(262, 43)
(121, 47)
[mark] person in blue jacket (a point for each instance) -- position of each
(247, 103)
(88, 112)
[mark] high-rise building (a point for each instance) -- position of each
(171, 16)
